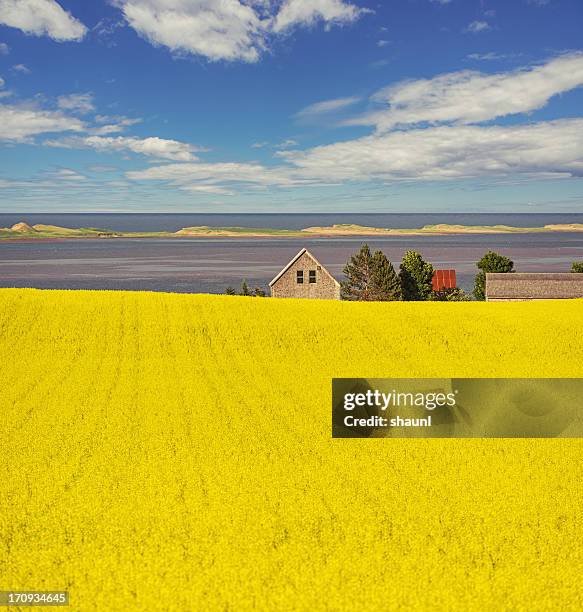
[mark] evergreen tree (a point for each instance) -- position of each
(577, 266)
(258, 292)
(230, 291)
(358, 285)
(245, 288)
(416, 276)
(385, 281)
(490, 262)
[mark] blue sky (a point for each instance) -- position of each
(291, 106)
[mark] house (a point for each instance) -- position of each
(305, 277)
(512, 287)
(443, 279)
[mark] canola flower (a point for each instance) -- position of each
(174, 452)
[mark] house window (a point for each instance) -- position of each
(312, 276)
(300, 277)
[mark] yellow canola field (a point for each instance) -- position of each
(174, 452)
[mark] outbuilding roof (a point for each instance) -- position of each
(444, 279)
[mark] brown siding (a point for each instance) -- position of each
(515, 287)
(325, 287)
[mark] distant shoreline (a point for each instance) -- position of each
(23, 232)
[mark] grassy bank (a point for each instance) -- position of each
(174, 452)
(23, 231)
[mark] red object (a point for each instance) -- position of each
(443, 279)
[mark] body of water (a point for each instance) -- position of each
(211, 264)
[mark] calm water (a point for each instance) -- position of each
(210, 265)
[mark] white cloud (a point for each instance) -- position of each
(442, 2)
(286, 144)
(314, 111)
(212, 189)
(4, 49)
(21, 68)
(227, 29)
(218, 30)
(439, 153)
(449, 153)
(309, 12)
(477, 26)
(112, 124)
(383, 43)
(2, 82)
(77, 103)
(492, 56)
(41, 17)
(66, 174)
(471, 97)
(20, 123)
(222, 175)
(159, 148)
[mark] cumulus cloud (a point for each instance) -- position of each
(477, 26)
(227, 29)
(217, 30)
(77, 103)
(159, 148)
(309, 12)
(25, 121)
(471, 97)
(4, 49)
(20, 123)
(41, 18)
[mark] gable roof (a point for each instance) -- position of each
(293, 261)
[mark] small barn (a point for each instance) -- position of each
(443, 279)
(305, 277)
(513, 287)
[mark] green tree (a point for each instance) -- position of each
(230, 291)
(454, 294)
(358, 285)
(416, 275)
(577, 266)
(490, 262)
(385, 281)
(245, 288)
(258, 292)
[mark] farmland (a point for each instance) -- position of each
(174, 452)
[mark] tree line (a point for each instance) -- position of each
(371, 277)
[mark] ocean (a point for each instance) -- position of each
(209, 265)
